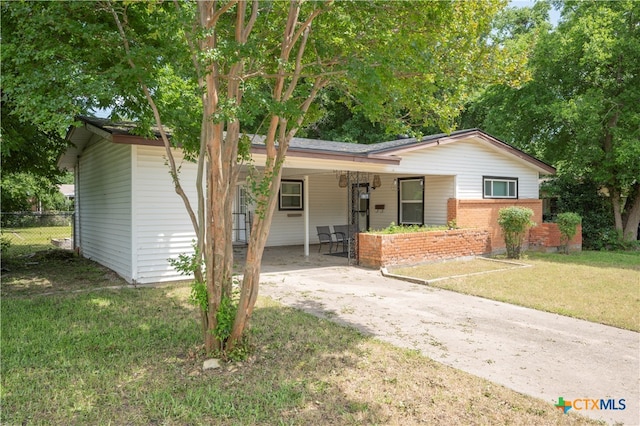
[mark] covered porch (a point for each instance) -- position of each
(292, 258)
(363, 200)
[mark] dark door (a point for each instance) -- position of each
(360, 206)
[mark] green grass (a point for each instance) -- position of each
(52, 271)
(134, 356)
(30, 240)
(613, 259)
(454, 268)
(602, 287)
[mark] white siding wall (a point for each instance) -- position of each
(132, 220)
(162, 228)
(470, 161)
(104, 219)
(327, 206)
(386, 195)
(437, 190)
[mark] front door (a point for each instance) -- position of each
(360, 206)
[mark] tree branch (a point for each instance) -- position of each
(306, 24)
(252, 20)
(298, 66)
(156, 115)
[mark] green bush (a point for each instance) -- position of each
(582, 196)
(5, 243)
(514, 222)
(568, 223)
(401, 229)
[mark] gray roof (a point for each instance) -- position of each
(304, 144)
(299, 144)
(379, 150)
(115, 127)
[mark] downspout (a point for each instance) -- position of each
(305, 192)
(133, 167)
(76, 208)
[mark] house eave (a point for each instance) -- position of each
(389, 155)
(338, 156)
(135, 140)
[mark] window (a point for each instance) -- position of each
(290, 195)
(500, 187)
(411, 201)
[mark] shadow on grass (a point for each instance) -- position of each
(134, 357)
(53, 271)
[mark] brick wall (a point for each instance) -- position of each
(481, 235)
(547, 237)
(379, 250)
(483, 214)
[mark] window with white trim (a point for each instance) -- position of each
(411, 201)
(290, 195)
(500, 187)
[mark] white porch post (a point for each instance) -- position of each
(306, 215)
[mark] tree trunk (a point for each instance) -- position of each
(616, 203)
(632, 214)
(257, 241)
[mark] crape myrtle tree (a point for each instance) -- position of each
(215, 71)
(580, 109)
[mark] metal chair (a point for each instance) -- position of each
(342, 233)
(324, 236)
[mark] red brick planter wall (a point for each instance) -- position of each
(481, 235)
(483, 214)
(379, 250)
(547, 237)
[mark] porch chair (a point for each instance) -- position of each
(324, 236)
(342, 234)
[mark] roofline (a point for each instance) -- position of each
(135, 140)
(390, 155)
(517, 152)
(462, 134)
(291, 151)
(330, 155)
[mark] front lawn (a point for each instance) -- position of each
(602, 287)
(133, 356)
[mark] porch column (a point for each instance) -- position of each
(305, 191)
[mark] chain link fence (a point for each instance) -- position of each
(28, 232)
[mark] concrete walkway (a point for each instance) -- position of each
(536, 353)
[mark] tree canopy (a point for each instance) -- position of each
(580, 109)
(213, 71)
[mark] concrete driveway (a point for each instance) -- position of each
(544, 355)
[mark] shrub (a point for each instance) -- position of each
(5, 244)
(401, 229)
(582, 195)
(568, 223)
(514, 222)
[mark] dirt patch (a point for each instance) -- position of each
(52, 271)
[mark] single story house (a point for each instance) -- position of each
(130, 219)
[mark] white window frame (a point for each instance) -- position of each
(284, 194)
(508, 180)
(402, 202)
